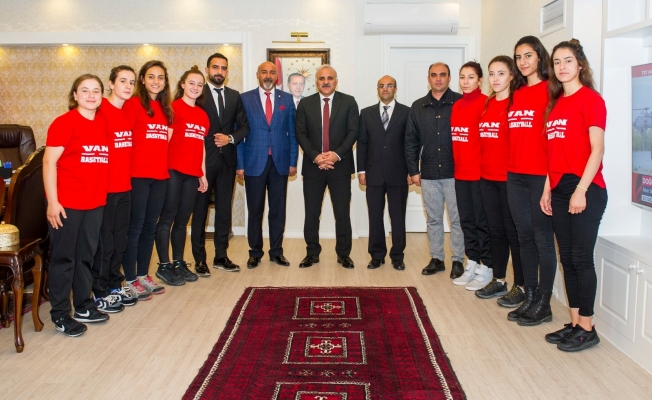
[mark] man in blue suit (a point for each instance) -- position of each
(265, 159)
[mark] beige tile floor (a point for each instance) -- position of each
(154, 350)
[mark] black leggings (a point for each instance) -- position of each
(179, 202)
(502, 231)
(576, 236)
(473, 221)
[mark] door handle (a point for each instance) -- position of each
(631, 267)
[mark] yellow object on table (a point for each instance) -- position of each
(8, 235)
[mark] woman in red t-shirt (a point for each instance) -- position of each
(108, 292)
(187, 168)
(465, 120)
(526, 177)
(494, 146)
(149, 113)
(75, 177)
(576, 195)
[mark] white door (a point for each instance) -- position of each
(409, 66)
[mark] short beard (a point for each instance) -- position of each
(216, 81)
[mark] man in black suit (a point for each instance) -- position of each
(326, 128)
(382, 168)
(228, 127)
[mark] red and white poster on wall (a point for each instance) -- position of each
(642, 135)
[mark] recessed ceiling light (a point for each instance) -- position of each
(225, 44)
(65, 45)
(145, 44)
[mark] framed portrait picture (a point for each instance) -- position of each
(296, 69)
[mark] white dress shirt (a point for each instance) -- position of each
(211, 87)
(263, 97)
(330, 112)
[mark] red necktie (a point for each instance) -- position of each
(268, 115)
(325, 128)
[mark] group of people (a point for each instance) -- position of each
(513, 169)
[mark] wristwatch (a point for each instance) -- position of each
(231, 139)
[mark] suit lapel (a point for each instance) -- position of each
(277, 105)
(255, 94)
(337, 101)
(377, 117)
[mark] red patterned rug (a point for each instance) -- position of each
(346, 343)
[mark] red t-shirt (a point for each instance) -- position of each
(189, 129)
(83, 168)
(150, 140)
(119, 137)
(466, 135)
(527, 139)
(569, 146)
(494, 141)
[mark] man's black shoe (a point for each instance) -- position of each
(253, 262)
(434, 266)
(398, 265)
(375, 263)
(457, 270)
(345, 261)
(201, 269)
(225, 265)
(308, 261)
(280, 260)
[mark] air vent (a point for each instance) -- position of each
(552, 16)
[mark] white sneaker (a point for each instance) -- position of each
(483, 275)
(468, 275)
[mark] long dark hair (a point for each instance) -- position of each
(511, 66)
(194, 70)
(72, 103)
(163, 96)
(543, 70)
(555, 88)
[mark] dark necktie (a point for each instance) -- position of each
(326, 127)
(220, 103)
(268, 116)
(385, 117)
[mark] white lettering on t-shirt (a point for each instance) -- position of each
(489, 130)
(95, 154)
(122, 139)
(520, 118)
(161, 136)
(157, 131)
(556, 129)
(192, 129)
(460, 133)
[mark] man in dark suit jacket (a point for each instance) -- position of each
(382, 168)
(228, 127)
(327, 145)
(265, 159)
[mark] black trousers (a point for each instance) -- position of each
(221, 178)
(73, 248)
(275, 185)
(339, 187)
(147, 197)
(180, 195)
(534, 229)
(473, 221)
(576, 236)
(502, 231)
(112, 245)
(397, 205)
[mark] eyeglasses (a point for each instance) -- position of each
(388, 86)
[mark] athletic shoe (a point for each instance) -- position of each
(468, 275)
(148, 283)
(493, 289)
(138, 290)
(201, 269)
(90, 315)
(483, 275)
(69, 326)
(168, 274)
(560, 335)
(579, 339)
(124, 296)
(513, 298)
(108, 304)
(182, 270)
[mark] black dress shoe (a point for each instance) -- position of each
(281, 260)
(201, 269)
(434, 266)
(375, 263)
(225, 265)
(253, 262)
(398, 265)
(345, 261)
(457, 270)
(308, 261)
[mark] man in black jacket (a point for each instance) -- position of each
(428, 139)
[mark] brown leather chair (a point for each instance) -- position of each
(26, 210)
(16, 144)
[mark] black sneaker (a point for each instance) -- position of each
(90, 315)
(579, 339)
(167, 274)
(201, 269)
(560, 335)
(109, 304)
(513, 298)
(493, 289)
(182, 270)
(69, 326)
(225, 265)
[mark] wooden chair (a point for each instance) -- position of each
(26, 210)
